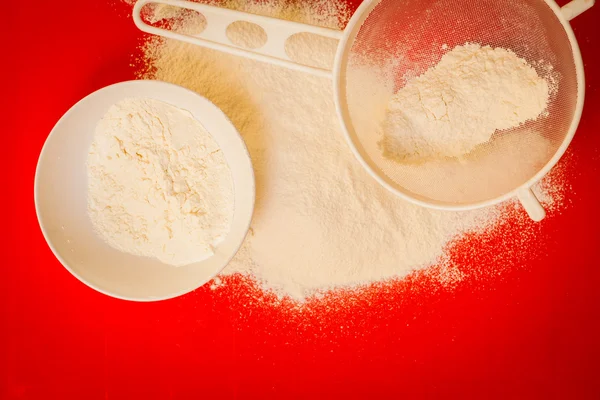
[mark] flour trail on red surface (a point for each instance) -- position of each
(325, 235)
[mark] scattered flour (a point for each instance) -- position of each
(321, 222)
(460, 102)
(158, 184)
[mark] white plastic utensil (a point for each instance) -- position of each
(214, 36)
(61, 198)
(410, 31)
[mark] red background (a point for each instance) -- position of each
(532, 332)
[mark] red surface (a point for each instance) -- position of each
(532, 332)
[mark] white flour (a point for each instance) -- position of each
(158, 184)
(460, 102)
(485, 173)
(321, 222)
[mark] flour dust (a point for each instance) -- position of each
(158, 184)
(322, 225)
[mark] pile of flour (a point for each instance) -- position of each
(321, 222)
(460, 102)
(158, 184)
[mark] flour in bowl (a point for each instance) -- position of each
(158, 184)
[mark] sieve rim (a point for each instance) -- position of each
(339, 73)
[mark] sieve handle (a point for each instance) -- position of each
(576, 8)
(214, 36)
(531, 204)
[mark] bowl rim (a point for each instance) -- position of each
(36, 194)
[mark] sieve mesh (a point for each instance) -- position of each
(402, 39)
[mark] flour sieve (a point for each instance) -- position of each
(394, 39)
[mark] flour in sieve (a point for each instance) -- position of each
(321, 222)
(460, 102)
(158, 184)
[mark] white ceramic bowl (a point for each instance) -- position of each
(61, 198)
